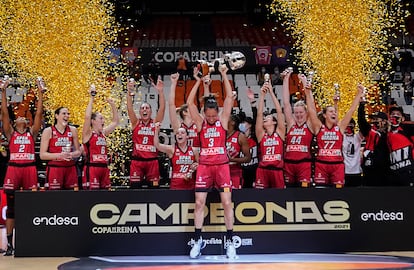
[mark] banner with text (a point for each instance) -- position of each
(160, 222)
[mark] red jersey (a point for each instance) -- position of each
(61, 142)
(181, 162)
(193, 139)
(232, 145)
(253, 152)
(143, 141)
(96, 150)
(298, 143)
(213, 144)
(401, 150)
(22, 148)
(271, 151)
(330, 144)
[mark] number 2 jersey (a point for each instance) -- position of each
(22, 148)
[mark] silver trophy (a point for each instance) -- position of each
(233, 61)
(41, 84)
(4, 81)
(267, 77)
(92, 90)
(310, 76)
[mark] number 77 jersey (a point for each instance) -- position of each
(329, 144)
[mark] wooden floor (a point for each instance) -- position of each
(52, 263)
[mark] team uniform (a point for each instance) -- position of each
(144, 163)
(234, 150)
(270, 171)
(193, 139)
(375, 158)
(329, 166)
(21, 171)
(61, 174)
(249, 168)
(181, 162)
(401, 158)
(96, 172)
(213, 170)
(298, 159)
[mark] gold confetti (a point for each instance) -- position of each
(342, 41)
(66, 42)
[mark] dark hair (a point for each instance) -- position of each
(57, 111)
(210, 102)
(249, 120)
(182, 109)
(236, 119)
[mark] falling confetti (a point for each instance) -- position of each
(67, 43)
(344, 42)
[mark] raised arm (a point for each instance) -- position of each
(130, 108)
(192, 107)
(228, 101)
(38, 119)
(165, 148)
(174, 119)
(260, 131)
(206, 83)
(348, 115)
(161, 99)
(86, 129)
(281, 127)
(363, 124)
(7, 127)
(315, 123)
(286, 99)
(115, 118)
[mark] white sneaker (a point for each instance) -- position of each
(196, 249)
(231, 250)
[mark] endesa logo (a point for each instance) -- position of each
(56, 221)
(383, 216)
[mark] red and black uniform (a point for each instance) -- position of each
(61, 173)
(181, 163)
(193, 138)
(144, 164)
(234, 149)
(96, 171)
(298, 159)
(329, 166)
(401, 157)
(270, 171)
(249, 169)
(21, 171)
(213, 170)
(375, 160)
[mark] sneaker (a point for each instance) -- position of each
(196, 249)
(9, 251)
(231, 250)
